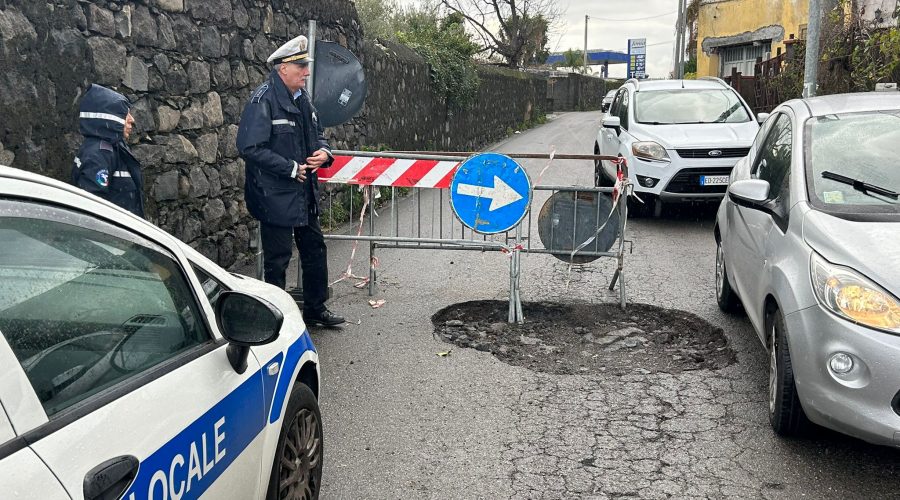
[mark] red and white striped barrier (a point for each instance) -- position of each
(367, 171)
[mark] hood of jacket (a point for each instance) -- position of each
(102, 114)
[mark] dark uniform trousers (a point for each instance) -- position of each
(276, 243)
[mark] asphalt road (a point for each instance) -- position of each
(402, 422)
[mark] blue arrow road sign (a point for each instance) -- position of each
(490, 193)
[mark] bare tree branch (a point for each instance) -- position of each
(516, 30)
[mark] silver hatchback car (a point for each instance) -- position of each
(809, 242)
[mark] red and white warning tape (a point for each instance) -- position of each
(348, 273)
(622, 185)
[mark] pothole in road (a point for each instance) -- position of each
(583, 338)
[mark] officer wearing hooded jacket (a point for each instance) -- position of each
(283, 145)
(104, 165)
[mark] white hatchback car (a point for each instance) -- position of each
(133, 367)
(680, 138)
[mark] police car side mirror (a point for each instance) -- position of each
(245, 321)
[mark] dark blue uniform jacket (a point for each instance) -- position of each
(104, 165)
(275, 131)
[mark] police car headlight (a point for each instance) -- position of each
(854, 297)
(649, 150)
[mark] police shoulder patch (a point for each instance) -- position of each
(102, 178)
(105, 146)
(259, 92)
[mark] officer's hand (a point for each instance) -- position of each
(317, 160)
(301, 173)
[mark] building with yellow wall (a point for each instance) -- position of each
(733, 33)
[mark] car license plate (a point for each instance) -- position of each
(714, 180)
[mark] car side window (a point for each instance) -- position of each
(773, 163)
(86, 305)
(760, 138)
(614, 107)
(212, 287)
(623, 110)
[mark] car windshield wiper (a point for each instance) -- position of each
(728, 112)
(861, 186)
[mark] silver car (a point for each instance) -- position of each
(809, 243)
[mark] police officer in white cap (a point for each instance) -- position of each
(283, 145)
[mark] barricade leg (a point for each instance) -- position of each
(515, 303)
(371, 243)
(520, 315)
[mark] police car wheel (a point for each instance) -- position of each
(297, 469)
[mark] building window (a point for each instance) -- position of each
(743, 57)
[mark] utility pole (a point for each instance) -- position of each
(679, 42)
(817, 11)
(585, 42)
(813, 33)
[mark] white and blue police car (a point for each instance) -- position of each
(133, 367)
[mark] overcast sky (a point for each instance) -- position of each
(611, 24)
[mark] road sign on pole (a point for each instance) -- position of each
(637, 58)
(490, 193)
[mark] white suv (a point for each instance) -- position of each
(680, 138)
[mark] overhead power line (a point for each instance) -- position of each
(593, 18)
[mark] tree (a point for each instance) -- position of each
(521, 26)
(446, 46)
(378, 18)
(692, 18)
(442, 41)
(574, 58)
(536, 50)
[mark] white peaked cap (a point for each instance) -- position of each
(294, 51)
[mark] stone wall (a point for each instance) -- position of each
(188, 67)
(403, 112)
(574, 92)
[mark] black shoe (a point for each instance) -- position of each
(324, 318)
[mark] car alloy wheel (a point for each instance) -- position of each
(725, 295)
(785, 410)
(297, 464)
(720, 269)
(773, 373)
(299, 458)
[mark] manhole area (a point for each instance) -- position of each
(588, 338)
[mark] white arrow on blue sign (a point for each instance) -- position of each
(490, 193)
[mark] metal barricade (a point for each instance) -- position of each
(438, 229)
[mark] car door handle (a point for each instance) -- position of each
(111, 479)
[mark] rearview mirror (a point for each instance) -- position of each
(749, 192)
(762, 117)
(612, 122)
(245, 321)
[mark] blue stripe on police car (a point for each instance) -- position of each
(188, 464)
(295, 351)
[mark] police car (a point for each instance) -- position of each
(133, 367)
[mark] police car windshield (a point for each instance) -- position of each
(685, 106)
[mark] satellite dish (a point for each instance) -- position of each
(339, 85)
